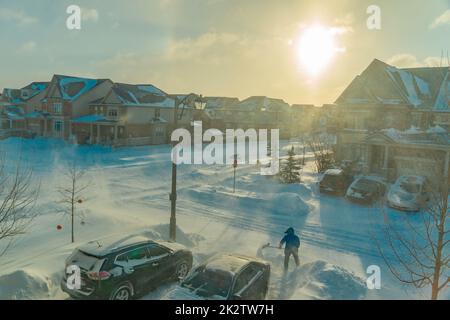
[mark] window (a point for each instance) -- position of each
(58, 126)
(113, 113)
(132, 258)
(57, 107)
(157, 113)
(244, 279)
(156, 251)
(159, 131)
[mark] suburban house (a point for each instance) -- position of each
(130, 114)
(258, 112)
(395, 121)
(211, 115)
(67, 98)
(18, 105)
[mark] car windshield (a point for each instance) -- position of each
(208, 283)
(404, 196)
(365, 185)
(331, 179)
(410, 187)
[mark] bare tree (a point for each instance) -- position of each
(418, 255)
(18, 196)
(322, 146)
(72, 193)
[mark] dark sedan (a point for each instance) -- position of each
(120, 268)
(225, 277)
(366, 190)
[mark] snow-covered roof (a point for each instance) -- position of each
(228, 263)
(382, 84)
(334, 172)
(110, 244)
(71, 88)
(90, 119)
(143, 95)
(262, 103)
(220, 102)
(434, 135)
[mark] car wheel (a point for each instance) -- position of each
(182, 270)
(122, 292)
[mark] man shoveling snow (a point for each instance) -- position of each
(292, 244)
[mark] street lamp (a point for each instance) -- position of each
(199, 103)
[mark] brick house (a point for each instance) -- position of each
(408, 104)
(130, 115)
(66, 98)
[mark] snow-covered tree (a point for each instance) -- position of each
(73, 192)
(18, 194)
(291, 170)
(322, 147)
(419, 254)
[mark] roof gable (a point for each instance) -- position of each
(383, 84)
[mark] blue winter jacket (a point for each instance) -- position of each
(291, 240)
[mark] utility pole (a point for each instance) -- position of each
(235, 164)
(173, 194)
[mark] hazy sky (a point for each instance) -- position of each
(215, 47)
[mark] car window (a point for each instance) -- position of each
(208, 283)
(244, 278)
(156, 251)
(134, 257)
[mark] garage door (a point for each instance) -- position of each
(418, 167)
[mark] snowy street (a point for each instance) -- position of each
(129, 192)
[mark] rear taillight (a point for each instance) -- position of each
(102, 275)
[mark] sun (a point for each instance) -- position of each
(317, 48)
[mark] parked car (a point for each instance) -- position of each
(409, 193)
(335, 181)
(225, 277)
(120, 268)
(367, 190)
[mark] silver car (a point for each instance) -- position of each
(409, 193)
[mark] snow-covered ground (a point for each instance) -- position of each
(130, 192)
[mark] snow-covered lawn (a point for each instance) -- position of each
(130, 192)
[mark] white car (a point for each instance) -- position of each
(409, 193)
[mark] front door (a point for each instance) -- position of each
(377, 159)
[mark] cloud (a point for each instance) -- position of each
(16, 16)
(27, 48)
(407, 60)
(89, 14)
(442, 20)
(209, 44)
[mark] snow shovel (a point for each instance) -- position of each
(268, 245)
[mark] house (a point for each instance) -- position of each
(212, 115)
(66, 98)
(18, 105)
(258, 112)
(409, 102)
(130, 115)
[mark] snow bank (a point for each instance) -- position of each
(23, 284)
(330, 282)
(285, 203)
(161, 232)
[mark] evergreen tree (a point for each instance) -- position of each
(290, 171)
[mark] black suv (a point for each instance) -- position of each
(119, 268)
(225, 277)
(335, 181)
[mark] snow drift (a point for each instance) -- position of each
(22, 284)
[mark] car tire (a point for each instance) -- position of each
(123, 291)
(182, 269)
